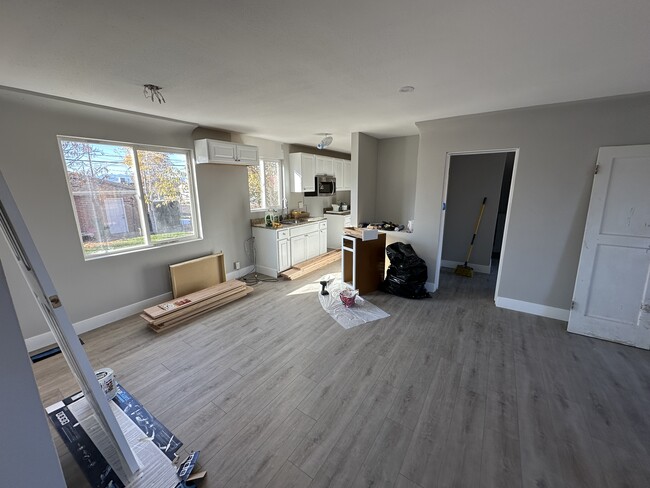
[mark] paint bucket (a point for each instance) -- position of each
(106, 379)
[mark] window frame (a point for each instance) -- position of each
(260, 165)
(139, 192)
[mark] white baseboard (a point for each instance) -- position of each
(479, 268)
(264, 270)
(533, 308)
(234, 275)
(47, 338)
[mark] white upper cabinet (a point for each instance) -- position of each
(222, 152)
(343, 174)
(303, 171)
(247, 154)
(324, 165)
(347, 175)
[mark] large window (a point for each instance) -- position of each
(129, 197)
(265, 185)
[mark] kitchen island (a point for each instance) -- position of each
(278, 249)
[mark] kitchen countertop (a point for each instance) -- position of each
(310, 220)
(332, 212)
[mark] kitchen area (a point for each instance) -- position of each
(317, 192)
(314, 194)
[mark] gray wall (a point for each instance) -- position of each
(472, 177)
(364, 172)
(29, 458)
(397, 165)
(32, 166)
(552, 183)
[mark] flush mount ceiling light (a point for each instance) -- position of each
(326, 141)
(407, 89)
(153, 92)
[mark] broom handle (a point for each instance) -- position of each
(478, 223)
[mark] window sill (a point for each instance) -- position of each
(133, 250)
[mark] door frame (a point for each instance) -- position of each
(443, 208)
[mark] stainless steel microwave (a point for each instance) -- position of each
(325, 185)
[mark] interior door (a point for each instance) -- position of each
(612, 296)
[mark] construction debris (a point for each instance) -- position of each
(182, 309)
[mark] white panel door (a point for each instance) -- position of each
(284, 255)
(313, 244)
(322, 244)
(222, 151)
(247, 154)
(298, 249)
(612, 293)
(347, 175)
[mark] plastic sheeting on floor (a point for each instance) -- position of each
(362, 312)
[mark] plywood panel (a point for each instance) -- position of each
(197, 274)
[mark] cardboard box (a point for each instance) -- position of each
(361, 233)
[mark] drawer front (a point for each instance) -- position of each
(303, 229)
(283, 234)
(322, 225)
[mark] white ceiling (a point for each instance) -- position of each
(287, 70)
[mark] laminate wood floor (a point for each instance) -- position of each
(448, 392)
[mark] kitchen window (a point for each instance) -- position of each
(128, 197)
(265, 185)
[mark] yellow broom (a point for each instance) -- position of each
(463, 269)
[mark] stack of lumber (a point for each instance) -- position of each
(183, 309)
(310, 265)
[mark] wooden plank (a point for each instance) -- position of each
(289, 477)
(382, 465)
(310, 265)
(197, 274)
(171, 306)
(196, 313)
(207, 308)
(318, 259)
(196, 306)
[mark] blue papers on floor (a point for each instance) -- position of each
(361, 313)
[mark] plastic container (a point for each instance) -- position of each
(348, 297)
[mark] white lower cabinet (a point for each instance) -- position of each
(335, 225)
(313, 244)
(322, 242)
(277, 250)
(284, 255)
(298, 249)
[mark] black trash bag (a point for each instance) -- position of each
(407, 273)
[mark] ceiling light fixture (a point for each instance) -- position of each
(153, 92)
(326, 141)
(407, 89)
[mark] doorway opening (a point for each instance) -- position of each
(469, 178)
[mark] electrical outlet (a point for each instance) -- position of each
(237, 265)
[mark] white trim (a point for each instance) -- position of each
(443, 204)
(92, 323)
(479, 268)
(238, 273)
(533, 308)
(506, 226)
(47, 339)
